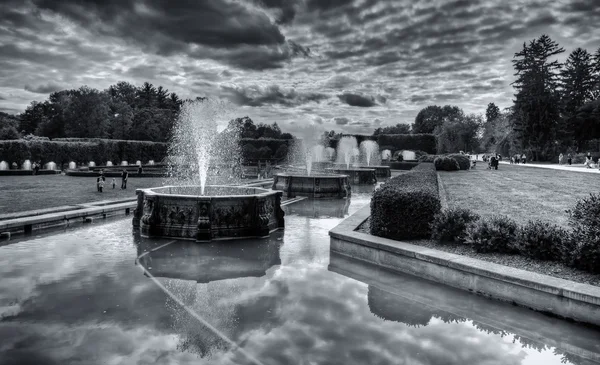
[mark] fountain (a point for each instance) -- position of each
(371, 159)
(124, 163)
(50, 166)
(194, 210)
(151, 162)
(320, 160)
(347, 153)
(305, 182)
(109, 163)
(3, 165)
(92, 164)
(72, 165)
(26, 165)
(138, 163)
(330, 153)
(408, 155)
(386, 155)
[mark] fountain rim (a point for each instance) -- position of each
(351, 168)
(336, 176)
(259, 192)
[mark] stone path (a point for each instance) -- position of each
(576, 168)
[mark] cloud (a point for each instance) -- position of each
(44, 88)
(254, 95)
(341, 120)
(357, 100)
(339, 82)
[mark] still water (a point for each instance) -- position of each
(100, 295)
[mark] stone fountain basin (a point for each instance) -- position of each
(380, 170)
(316, 185)
(357, 175)
(224, 212)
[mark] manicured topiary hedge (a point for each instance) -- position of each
(402, 165)
(464, 163)
(100, 151)
(404, 207)
(446, 163)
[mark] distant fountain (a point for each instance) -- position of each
(109, 163)
(124, 163)
(370, 151)
(319, 153)
(151, 162)
(72, 165)
(50, 166)
(91, 164)
(193, 209)
(138, 163)
(409, 155)
(346, 150)
(26, 165)
(386, 154)
(3, 165)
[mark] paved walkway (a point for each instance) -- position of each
(576, 168)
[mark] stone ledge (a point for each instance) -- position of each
(561, 297)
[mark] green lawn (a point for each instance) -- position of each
(19, 193)
(521, 193)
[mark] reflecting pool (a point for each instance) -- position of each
(100, 295)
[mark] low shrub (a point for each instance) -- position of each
(427, 158)
(496, 234)
(584, 220)
(450, 225)
(464, 163)
(404, 207)
(402, 165)
(446, 164)
(424, 166)
(543, 241)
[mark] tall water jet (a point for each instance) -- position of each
(3, 165)
(197, 142)
(330, 153)
(92, 164)
(138, 163)
(370, 151)
(347, 146)
(151, 162)
(409, 155)
(72, 165)
(355, 155)
(386, 154)
(50, 166)
(318, 153)
(26, 165)
(303, 151)
(109, 163)
(124, 163)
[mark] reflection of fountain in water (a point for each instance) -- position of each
(3, 165)
(346, 150)
(370, 152)
(72, 165)
(50, 166)
(199, 147)
(26, 165)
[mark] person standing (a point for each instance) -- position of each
(523, 158)
(569, 159)
(124, 176)
(560, 159)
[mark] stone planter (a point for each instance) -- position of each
(226, 212)
(313, 186)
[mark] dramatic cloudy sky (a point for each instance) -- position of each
(351, 64)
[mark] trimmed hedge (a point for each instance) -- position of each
(464, 163)
(404, 207)
(427, 158)
(543, 241)
(446, 163)
(403, 165)
(496, 234)
(100, 151)
(450, 225)
(584, 219)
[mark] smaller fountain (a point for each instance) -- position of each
(72, 165)
(91, 164)
(26, 165)
(386, 155)
(124, 163)
(409, 155)
(50, 166)
(347, 153)
(109, 163)
(3, 165)
(151, 162)
(370, 159)
(320, 161)
(330, 153)
(14, 166)
(138, 163)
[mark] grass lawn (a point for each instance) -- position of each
(19, 193)
(519, 192)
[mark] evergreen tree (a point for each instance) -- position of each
(492, 112)
(536, 108)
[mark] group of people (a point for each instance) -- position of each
(36, 166)
(589, 160)
(101, 180)
(517, 159)
(492, 161)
